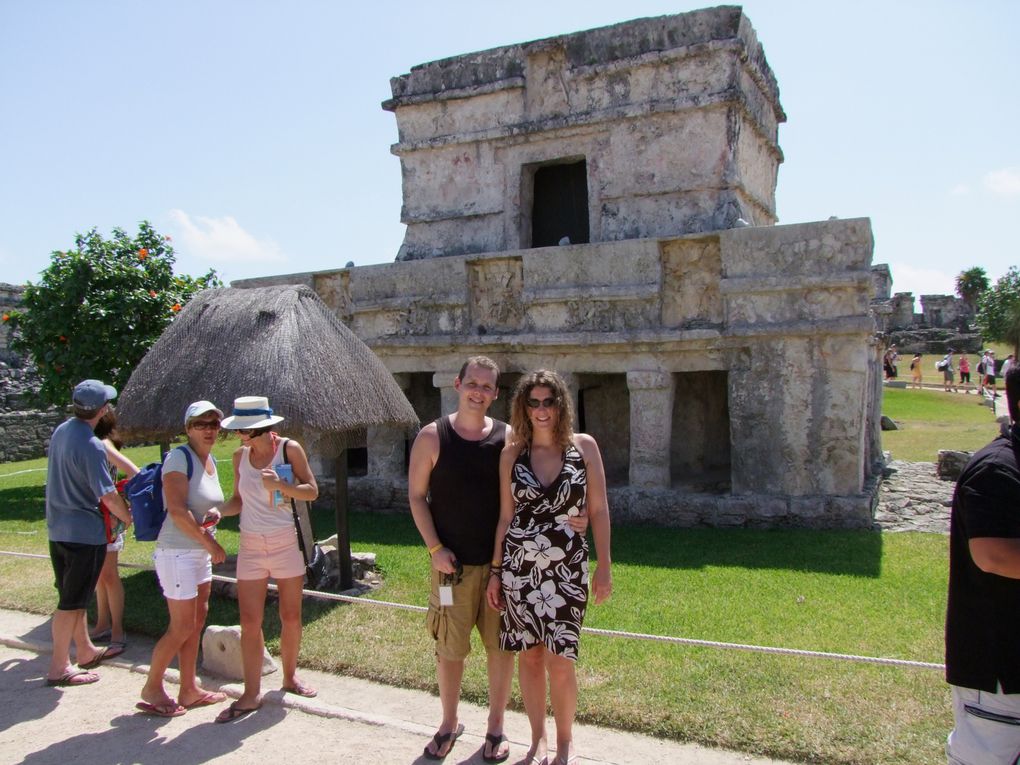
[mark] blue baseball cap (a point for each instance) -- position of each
(92, 394)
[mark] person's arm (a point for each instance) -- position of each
(494, 588)
(175, 488)
(996, 555)
(233, 505)
(122, 463)
(424, 453)
(304, 487)
(117, 507)
(598, 509)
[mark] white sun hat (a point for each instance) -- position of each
(251, 412)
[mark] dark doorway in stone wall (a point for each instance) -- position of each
(603, 411)
(700, 440)
(560, 204)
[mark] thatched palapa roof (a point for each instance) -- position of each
(280, 342)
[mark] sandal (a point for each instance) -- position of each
(106, 652)
(72, 678)
(439, 740)
(160, 710)
(494, 741)
(234, 712)
(206, 699)
(299, 689)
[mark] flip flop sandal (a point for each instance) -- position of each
(160, 710)
(234, 712)
(207, 699)
(494, 740)
(440, 740)
(107, 652)
(101, 637)
(306, 691)
(68, 679)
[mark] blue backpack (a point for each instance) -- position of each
(144, 495)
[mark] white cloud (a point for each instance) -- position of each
(921, 281)
(1004, 181)
(220, 240)
(960, 190)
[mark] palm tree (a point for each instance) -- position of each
(971, 285)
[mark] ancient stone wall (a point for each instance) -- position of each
(676, 119)
(755, 344)
(24, 431)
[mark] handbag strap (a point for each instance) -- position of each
(294, 512)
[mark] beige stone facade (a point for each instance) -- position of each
(726, 366)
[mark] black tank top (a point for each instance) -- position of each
(464, 492)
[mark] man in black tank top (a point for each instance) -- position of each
(453, 490)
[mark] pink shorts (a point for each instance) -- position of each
(275, 555)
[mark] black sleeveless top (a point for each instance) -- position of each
(464, 492)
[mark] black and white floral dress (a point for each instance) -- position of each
(545, 563)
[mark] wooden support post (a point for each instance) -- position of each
(343, 533)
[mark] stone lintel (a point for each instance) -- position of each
(649, 380)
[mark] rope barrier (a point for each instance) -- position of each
(590, 630)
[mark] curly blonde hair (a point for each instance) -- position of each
(520, 423)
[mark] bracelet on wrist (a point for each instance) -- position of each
(435, 548)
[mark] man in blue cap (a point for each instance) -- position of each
(77, 479)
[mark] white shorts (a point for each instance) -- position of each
(987, 728)
(181, 571)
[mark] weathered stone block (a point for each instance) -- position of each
(221, 653)
(951, 463)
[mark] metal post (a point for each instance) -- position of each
(343, 533)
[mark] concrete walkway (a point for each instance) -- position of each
(351, 721)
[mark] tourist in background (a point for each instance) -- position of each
(269, 544)
(186, 550)
(990, 378)
(916, 376)
(77, 478)
(540, 571)
(965, 372)
(948, 373)
(110, 589)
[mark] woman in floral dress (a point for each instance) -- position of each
(540, 566)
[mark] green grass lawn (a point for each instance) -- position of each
(847, 592)
(930, 420)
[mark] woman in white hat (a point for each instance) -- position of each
(185, 551)
(269, 544)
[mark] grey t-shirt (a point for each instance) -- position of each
(204, 493)
(76, 477)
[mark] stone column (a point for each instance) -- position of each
(651, 420)
(573, 386)
(386, 444)
(449, 398)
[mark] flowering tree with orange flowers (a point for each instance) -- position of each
(99, 307)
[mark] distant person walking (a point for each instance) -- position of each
(948, 373)
(990, 378)
(916, 376)
(965, 372)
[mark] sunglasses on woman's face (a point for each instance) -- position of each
(252, 432)
(206, 425)
(546, 403)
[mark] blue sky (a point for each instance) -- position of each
(252, 131)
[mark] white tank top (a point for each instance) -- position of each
(257, 514)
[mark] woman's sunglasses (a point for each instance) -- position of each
(206, 425)
(547, 403)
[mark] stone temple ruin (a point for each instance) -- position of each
(603, 203)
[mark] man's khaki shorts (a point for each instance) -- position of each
(450, 626)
